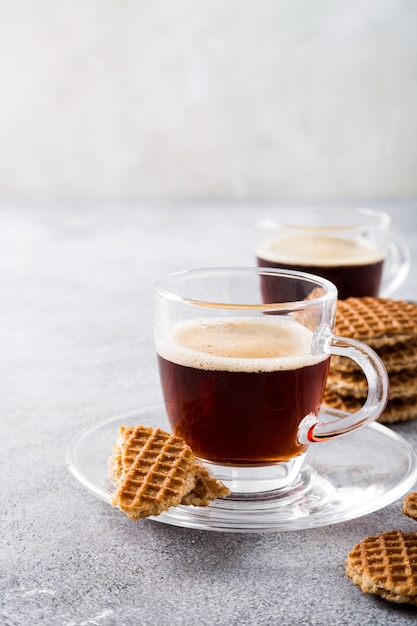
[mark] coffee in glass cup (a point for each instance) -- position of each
(353, 248)
(242, 378)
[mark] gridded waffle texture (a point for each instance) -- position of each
(386, 565)
(390, 328)
(378, 321)
(154, 470)
(395, 357)
(397, 409)
(159, 472)
(402, 384)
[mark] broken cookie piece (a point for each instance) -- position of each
(410, 505)
(154, 470)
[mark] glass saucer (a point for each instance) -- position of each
(342, 479)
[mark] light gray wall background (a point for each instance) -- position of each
(226, 98)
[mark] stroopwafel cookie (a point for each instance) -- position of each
(154, 470)
(401, 355)
(376, 321)
(205, 490)
(396, 410)
(402, 384)
(410, 505)
(386, 565)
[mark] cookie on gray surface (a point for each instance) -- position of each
(386, 565)
(410, 505)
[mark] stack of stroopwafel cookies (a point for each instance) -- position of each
(390, 328)
(154, 470)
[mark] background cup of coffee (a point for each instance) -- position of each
(353, 248)
(243, 379)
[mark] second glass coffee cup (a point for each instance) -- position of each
(354, 248)
(243, 356)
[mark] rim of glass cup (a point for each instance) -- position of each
(334, 218)
(162, 290)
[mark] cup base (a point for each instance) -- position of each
(258, 478)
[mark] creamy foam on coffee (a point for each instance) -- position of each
(239, 344)
(315, 250)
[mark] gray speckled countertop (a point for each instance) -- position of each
(76, 343)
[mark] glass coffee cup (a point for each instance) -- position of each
(353, 248)
(243, 357)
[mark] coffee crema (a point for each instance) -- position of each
(354, 266)
(239, 344)
(236, 389)
(318, 250)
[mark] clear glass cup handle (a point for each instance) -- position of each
(396, 266)
(311, 430)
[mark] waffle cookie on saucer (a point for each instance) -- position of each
(154, 470)
(390, 328)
